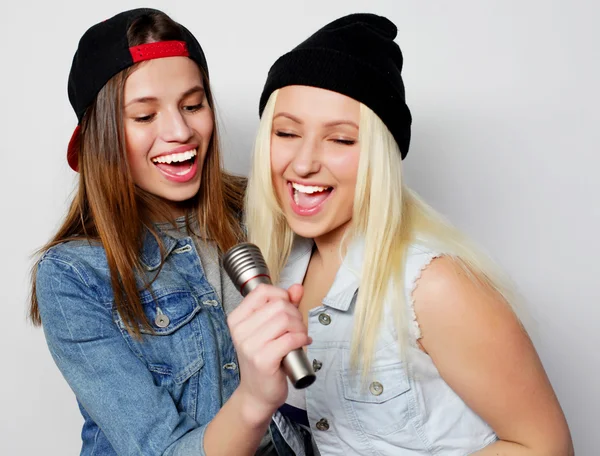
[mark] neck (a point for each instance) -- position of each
(159, 210)
(328, 248)
(180, 208)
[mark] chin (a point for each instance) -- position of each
(182, 198)
(180, 195)
(307, 230)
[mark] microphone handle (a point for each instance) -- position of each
(295, 364)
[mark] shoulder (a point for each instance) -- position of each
(74, 293)
(74, 250)
(79, 260)
(417, 258)
(439, 275)
(444, 276)
(449, 295)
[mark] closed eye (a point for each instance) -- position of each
(345, 142)
(144, 119)
(285, 134)
(193, 108)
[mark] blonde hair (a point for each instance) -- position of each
(386, 214)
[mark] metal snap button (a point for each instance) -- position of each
(162, 321)
(322, 425)
(376, 388)
(317, 365)
(324, 319)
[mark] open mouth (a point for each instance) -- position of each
(308, 198)
(177, 166)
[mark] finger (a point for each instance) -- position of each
(254, 300)
(296, 292)
(264, 318)
(267, 358)
(277, 349)
(279, 325)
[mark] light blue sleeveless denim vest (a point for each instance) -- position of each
(405, 408)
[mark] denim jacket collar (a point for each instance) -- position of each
(151, 257)
(347, 279)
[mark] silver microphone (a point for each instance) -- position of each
(247, 269)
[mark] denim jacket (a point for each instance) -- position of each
(405, 407)
(154, 396)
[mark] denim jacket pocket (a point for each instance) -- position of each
(380, 405)
(173, 349)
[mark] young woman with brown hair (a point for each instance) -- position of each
(130, 291)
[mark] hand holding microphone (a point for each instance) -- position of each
(247, 269)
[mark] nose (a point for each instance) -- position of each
(174, 127)
(307, 158)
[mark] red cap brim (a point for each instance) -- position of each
(73, 150)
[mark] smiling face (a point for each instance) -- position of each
(168, 126)
(314, 159)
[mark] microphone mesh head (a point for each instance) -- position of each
(244, 261)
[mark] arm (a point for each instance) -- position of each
(486, 357)
(118, 391)
(111, 382)
(265, 327)
(238, 427)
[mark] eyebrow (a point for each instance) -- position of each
(333, 123)
(187, 93)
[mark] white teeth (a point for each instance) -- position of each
(307, 188)
(180, 157)
(296, 198)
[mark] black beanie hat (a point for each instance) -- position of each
(104, 51)
(356, 56)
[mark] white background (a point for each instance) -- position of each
(505, 140)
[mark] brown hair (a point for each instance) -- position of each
(109, 208)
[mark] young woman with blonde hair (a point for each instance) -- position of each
(415, 342)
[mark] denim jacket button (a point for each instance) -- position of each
(324, 319)
(322, 425)
(162, 321)
(376, 388)
(317, 365)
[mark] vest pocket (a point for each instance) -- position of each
(380, 404)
